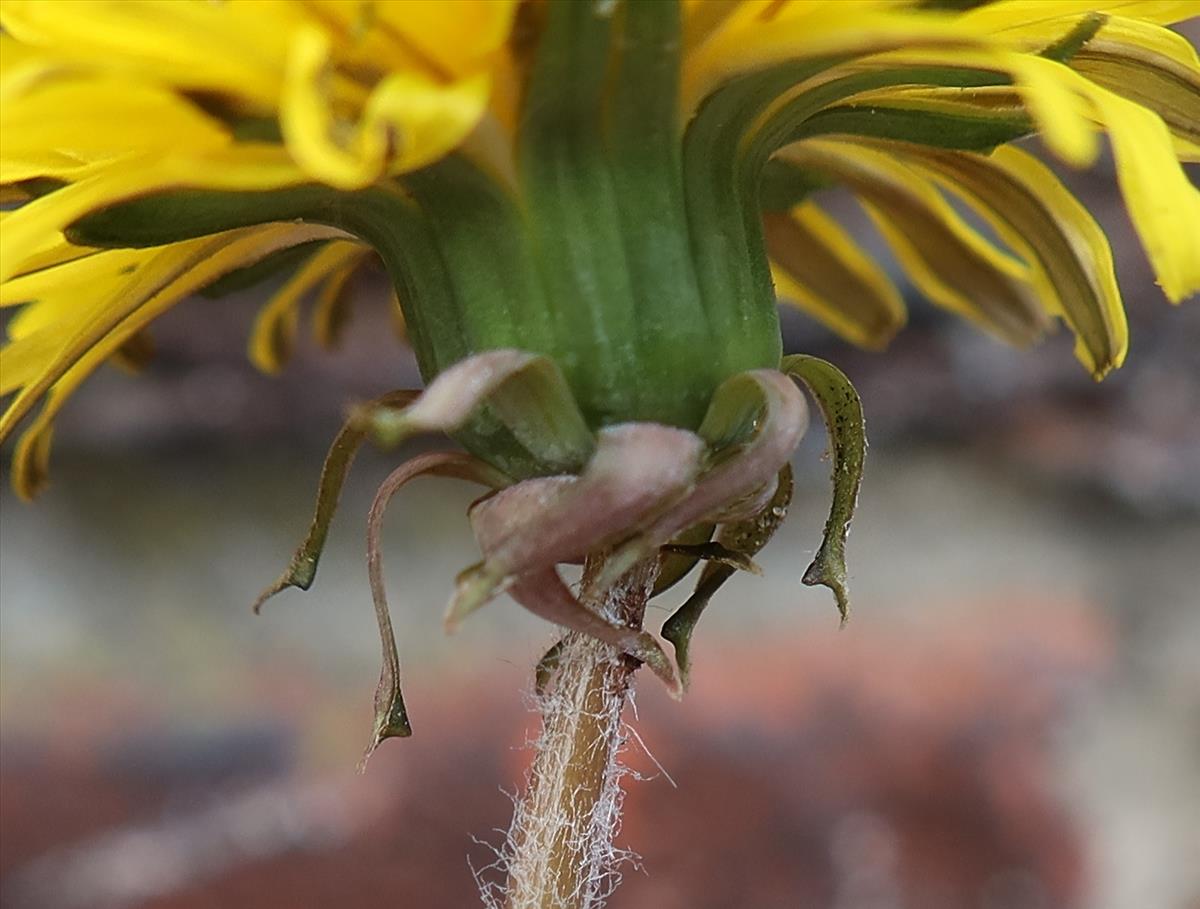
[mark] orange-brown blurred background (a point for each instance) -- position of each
(1010, 721)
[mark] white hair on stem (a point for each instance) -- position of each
(559, 852)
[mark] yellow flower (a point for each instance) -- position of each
(610, 184)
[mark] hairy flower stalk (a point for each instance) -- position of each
(560, 849)
(588, 210)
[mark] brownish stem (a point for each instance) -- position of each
(561, 839)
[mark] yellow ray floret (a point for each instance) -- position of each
(95, 120)
(1036, 215)
(359, 88)
(275, 329)
(818, 267)
(949, 261)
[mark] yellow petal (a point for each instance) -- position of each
(1186, 151)
(1164, 205)
(274, 332)
(1024, 14)
(947, 260)
(702, 18)
(820, 32)
(309, 123)
(83, 331)
(1121, 35)
(1148, 64)
(1049, 90)
(819, 268)
(409, 115)
(429, 121)
(1035, 214)
(1154, 67)
(47, 163)
(330, 313)
(359, 41)
(31, 461)
(458, 38)
(104, 117)
(55, 250)
(67, 297)
(25, 356)
(361, 88)
(1001, 100)
(86, 273)
(172, 273)
(40, 223)
(177, 271)
(399, 327)
(236, 47)
(1059, 112)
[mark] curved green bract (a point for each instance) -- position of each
(644, 153)
(567, 186)
(523, 392)
(1072, 43)
(537, 407)
(814, 112)
(302, 569)
(746, 537)
(184, 214)
(724, 223)
(480, 238)
(841, 409)
(790, 122)
(783, 185)
(734, 415)
(979, 132)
